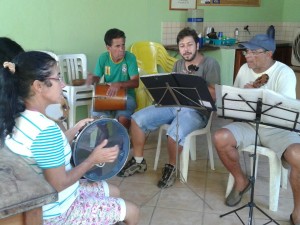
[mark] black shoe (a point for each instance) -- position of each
(133, 167)
(168, 177)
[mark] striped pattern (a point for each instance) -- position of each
(43, 145)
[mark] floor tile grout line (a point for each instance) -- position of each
(190, 188)
(159, 196)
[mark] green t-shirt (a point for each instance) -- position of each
(117, 72)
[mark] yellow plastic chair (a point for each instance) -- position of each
(143, 97)
(149, 56)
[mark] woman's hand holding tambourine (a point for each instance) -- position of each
(82, 123)
(104, 155)
(103, 146)
(73, 131)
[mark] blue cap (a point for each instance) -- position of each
(260, 41)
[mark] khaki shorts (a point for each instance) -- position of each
(274, 138)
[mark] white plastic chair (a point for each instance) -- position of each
(55, 111)
(74, 67)
(278, 174)
(188, 148)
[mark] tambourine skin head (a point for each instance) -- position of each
(91, 136)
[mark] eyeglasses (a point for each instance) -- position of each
(254, 53)
(55, 78)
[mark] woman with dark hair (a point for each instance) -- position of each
(8, 49)
(27, 86)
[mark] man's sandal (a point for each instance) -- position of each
(235, 197)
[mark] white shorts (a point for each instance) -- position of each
(274, 138)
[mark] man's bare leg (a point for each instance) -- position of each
(225, 145)
(172, 150)
(124, 121)
(137, 164)
(292, 156)
(138, 139)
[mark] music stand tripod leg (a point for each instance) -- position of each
(177, 144)
(251, 203)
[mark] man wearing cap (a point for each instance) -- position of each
(286, 144)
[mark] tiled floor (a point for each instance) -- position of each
(201, 200)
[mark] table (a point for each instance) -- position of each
(23, 191)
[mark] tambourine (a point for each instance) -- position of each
(91, 136)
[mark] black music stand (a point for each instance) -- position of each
(231, 104)
(179, 90)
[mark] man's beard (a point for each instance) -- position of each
(192, 58)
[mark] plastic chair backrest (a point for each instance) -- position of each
(143, 97)
(150, 54)
(52, 54)
(72, 67)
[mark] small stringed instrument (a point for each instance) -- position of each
(261, 81)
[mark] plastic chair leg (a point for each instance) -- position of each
(274, 184)
(284, 177)
(192, 147)
(72, 116)
(158, 148)
(184, 160)
(230, 184)
(210, 151)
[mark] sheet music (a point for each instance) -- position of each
(230, 102)
(285, 114)
(241, 103)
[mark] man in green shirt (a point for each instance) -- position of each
(120, 70)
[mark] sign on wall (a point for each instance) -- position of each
(182, 4)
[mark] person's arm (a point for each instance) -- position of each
(50, 152)
(212, 91)
(60, 179)
(114, 87)
(244, 77)
(286, 82)
(213, 76)
(133, 74)
(92, 79)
